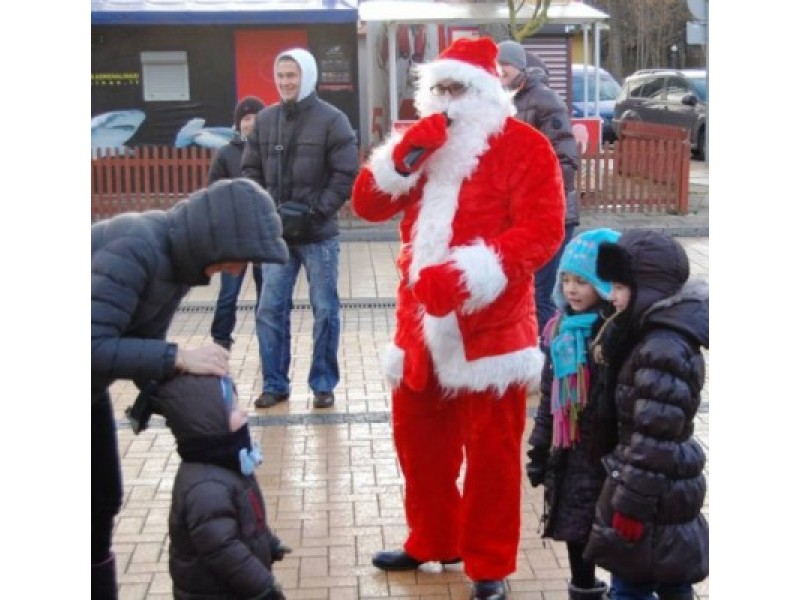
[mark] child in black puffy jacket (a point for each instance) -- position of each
(221, 547)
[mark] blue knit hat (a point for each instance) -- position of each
(580, 258)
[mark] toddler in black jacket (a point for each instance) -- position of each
(221, 547)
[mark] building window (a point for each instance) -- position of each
(165, 76)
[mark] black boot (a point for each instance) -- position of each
(104, 580)
(489, 590)
(598, 592)
(398, 560)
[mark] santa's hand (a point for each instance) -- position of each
(419, 142)
(440, 289)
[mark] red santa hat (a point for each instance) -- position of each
(470, 61)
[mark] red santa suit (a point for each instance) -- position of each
(481, 214)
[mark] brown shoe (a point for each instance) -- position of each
(268, 399)
(323, 400)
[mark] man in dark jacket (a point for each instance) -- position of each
(538, 105)
(649, 531)
(303, 151)
(142, 266)
(227, 164)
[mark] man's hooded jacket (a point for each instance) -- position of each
(143, 264)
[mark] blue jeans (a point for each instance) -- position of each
(545, 281)
(321, 263)
(622, 590)
(225, 311)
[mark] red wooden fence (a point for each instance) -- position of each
(646, 170)
(146, 177)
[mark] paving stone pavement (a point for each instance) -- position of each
(330, 477)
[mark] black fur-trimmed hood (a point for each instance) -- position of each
(687, 312)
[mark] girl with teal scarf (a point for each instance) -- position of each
(559, 443)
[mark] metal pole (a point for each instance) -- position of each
(585, 69)
(597, 77)
(392, 59)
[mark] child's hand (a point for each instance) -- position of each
(629, 528)
(537, 465)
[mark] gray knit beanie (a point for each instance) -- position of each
(511, 53)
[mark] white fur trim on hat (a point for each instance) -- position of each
(438, 70)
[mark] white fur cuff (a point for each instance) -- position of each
(483, 274)
(386, 176)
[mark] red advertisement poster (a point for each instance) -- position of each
(256, 50)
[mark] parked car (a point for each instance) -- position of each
(668, 97)
(609, 89)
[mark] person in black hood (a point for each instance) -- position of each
(227, 164)
(648, 530)
(143, 264)
(221, 547)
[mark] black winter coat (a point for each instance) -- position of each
(573, 478)
(321, 159)
(144, 263)
(655, 473)
(220, 545)
(227, 162)
(540, 106)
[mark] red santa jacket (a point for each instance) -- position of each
(491, 203)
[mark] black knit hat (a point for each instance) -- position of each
(249, 105)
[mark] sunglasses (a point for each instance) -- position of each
(454, 89)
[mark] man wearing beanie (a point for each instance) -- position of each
(473, 231)
(227, 164)
(303, 151)
(537, 104)
(143, 264)
(649, 531)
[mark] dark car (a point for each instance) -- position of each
(667, 97)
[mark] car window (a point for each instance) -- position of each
(677, 89)
(608, 88)
(648, 87)
(700, 88)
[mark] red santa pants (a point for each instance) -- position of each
(433, 436)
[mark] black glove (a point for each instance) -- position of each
(537, 465)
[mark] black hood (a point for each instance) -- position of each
(233, 220)
(686, 312)
(654, 265)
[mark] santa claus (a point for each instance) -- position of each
(483, 208)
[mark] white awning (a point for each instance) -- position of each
(445, 13)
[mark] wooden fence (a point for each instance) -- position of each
(646, 170)
(146, 177)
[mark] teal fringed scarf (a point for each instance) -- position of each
(570, 336)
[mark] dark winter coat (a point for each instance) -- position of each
(144, 263)
(321, 159)
(572, 476)
(220, 545)
(540, 106)
(227, 162)
(655, 473)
